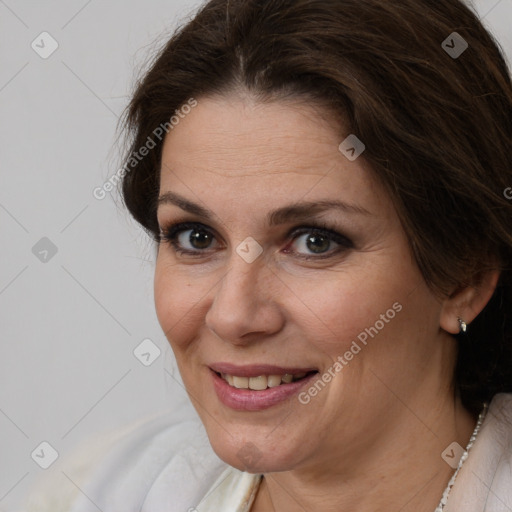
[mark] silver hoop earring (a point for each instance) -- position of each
(463, 325)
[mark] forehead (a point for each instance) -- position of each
(262, 153)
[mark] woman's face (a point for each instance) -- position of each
(294, 260)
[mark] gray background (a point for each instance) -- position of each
(69, 324)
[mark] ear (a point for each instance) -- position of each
(467, 302)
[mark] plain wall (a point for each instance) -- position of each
(69, 324)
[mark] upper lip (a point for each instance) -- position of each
(255, 370)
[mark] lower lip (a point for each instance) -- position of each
(249, 400)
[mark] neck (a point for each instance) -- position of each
(401, 470)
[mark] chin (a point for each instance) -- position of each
(254, 457)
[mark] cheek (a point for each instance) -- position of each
(334, 319)
(352, 306)
(177, 303)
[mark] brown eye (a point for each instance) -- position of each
(189, 238)
(198, 238)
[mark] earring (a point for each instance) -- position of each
(463, 325)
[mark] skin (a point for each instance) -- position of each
(372, 439)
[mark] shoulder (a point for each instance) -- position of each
(500, 415)
(156, 461)
(485, 479)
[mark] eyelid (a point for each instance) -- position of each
(319, 228)
(176, 227)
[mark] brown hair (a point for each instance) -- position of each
(437, 129)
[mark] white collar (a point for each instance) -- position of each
(168, 464)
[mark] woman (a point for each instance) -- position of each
(325, 180)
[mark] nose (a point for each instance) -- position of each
(246, 305)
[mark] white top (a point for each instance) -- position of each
(158, 465)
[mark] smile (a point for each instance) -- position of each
(262, 381)
(257, 387)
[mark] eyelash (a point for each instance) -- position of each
(170, 234)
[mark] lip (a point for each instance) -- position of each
(249, 400)
(255, 370)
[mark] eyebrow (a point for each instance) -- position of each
(291, 212)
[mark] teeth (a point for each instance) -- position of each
(241, 382)
(273, 381)
(258, 383)
(262, 382)
(228, 378)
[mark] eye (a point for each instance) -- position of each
(189, 238)
(309, 242)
